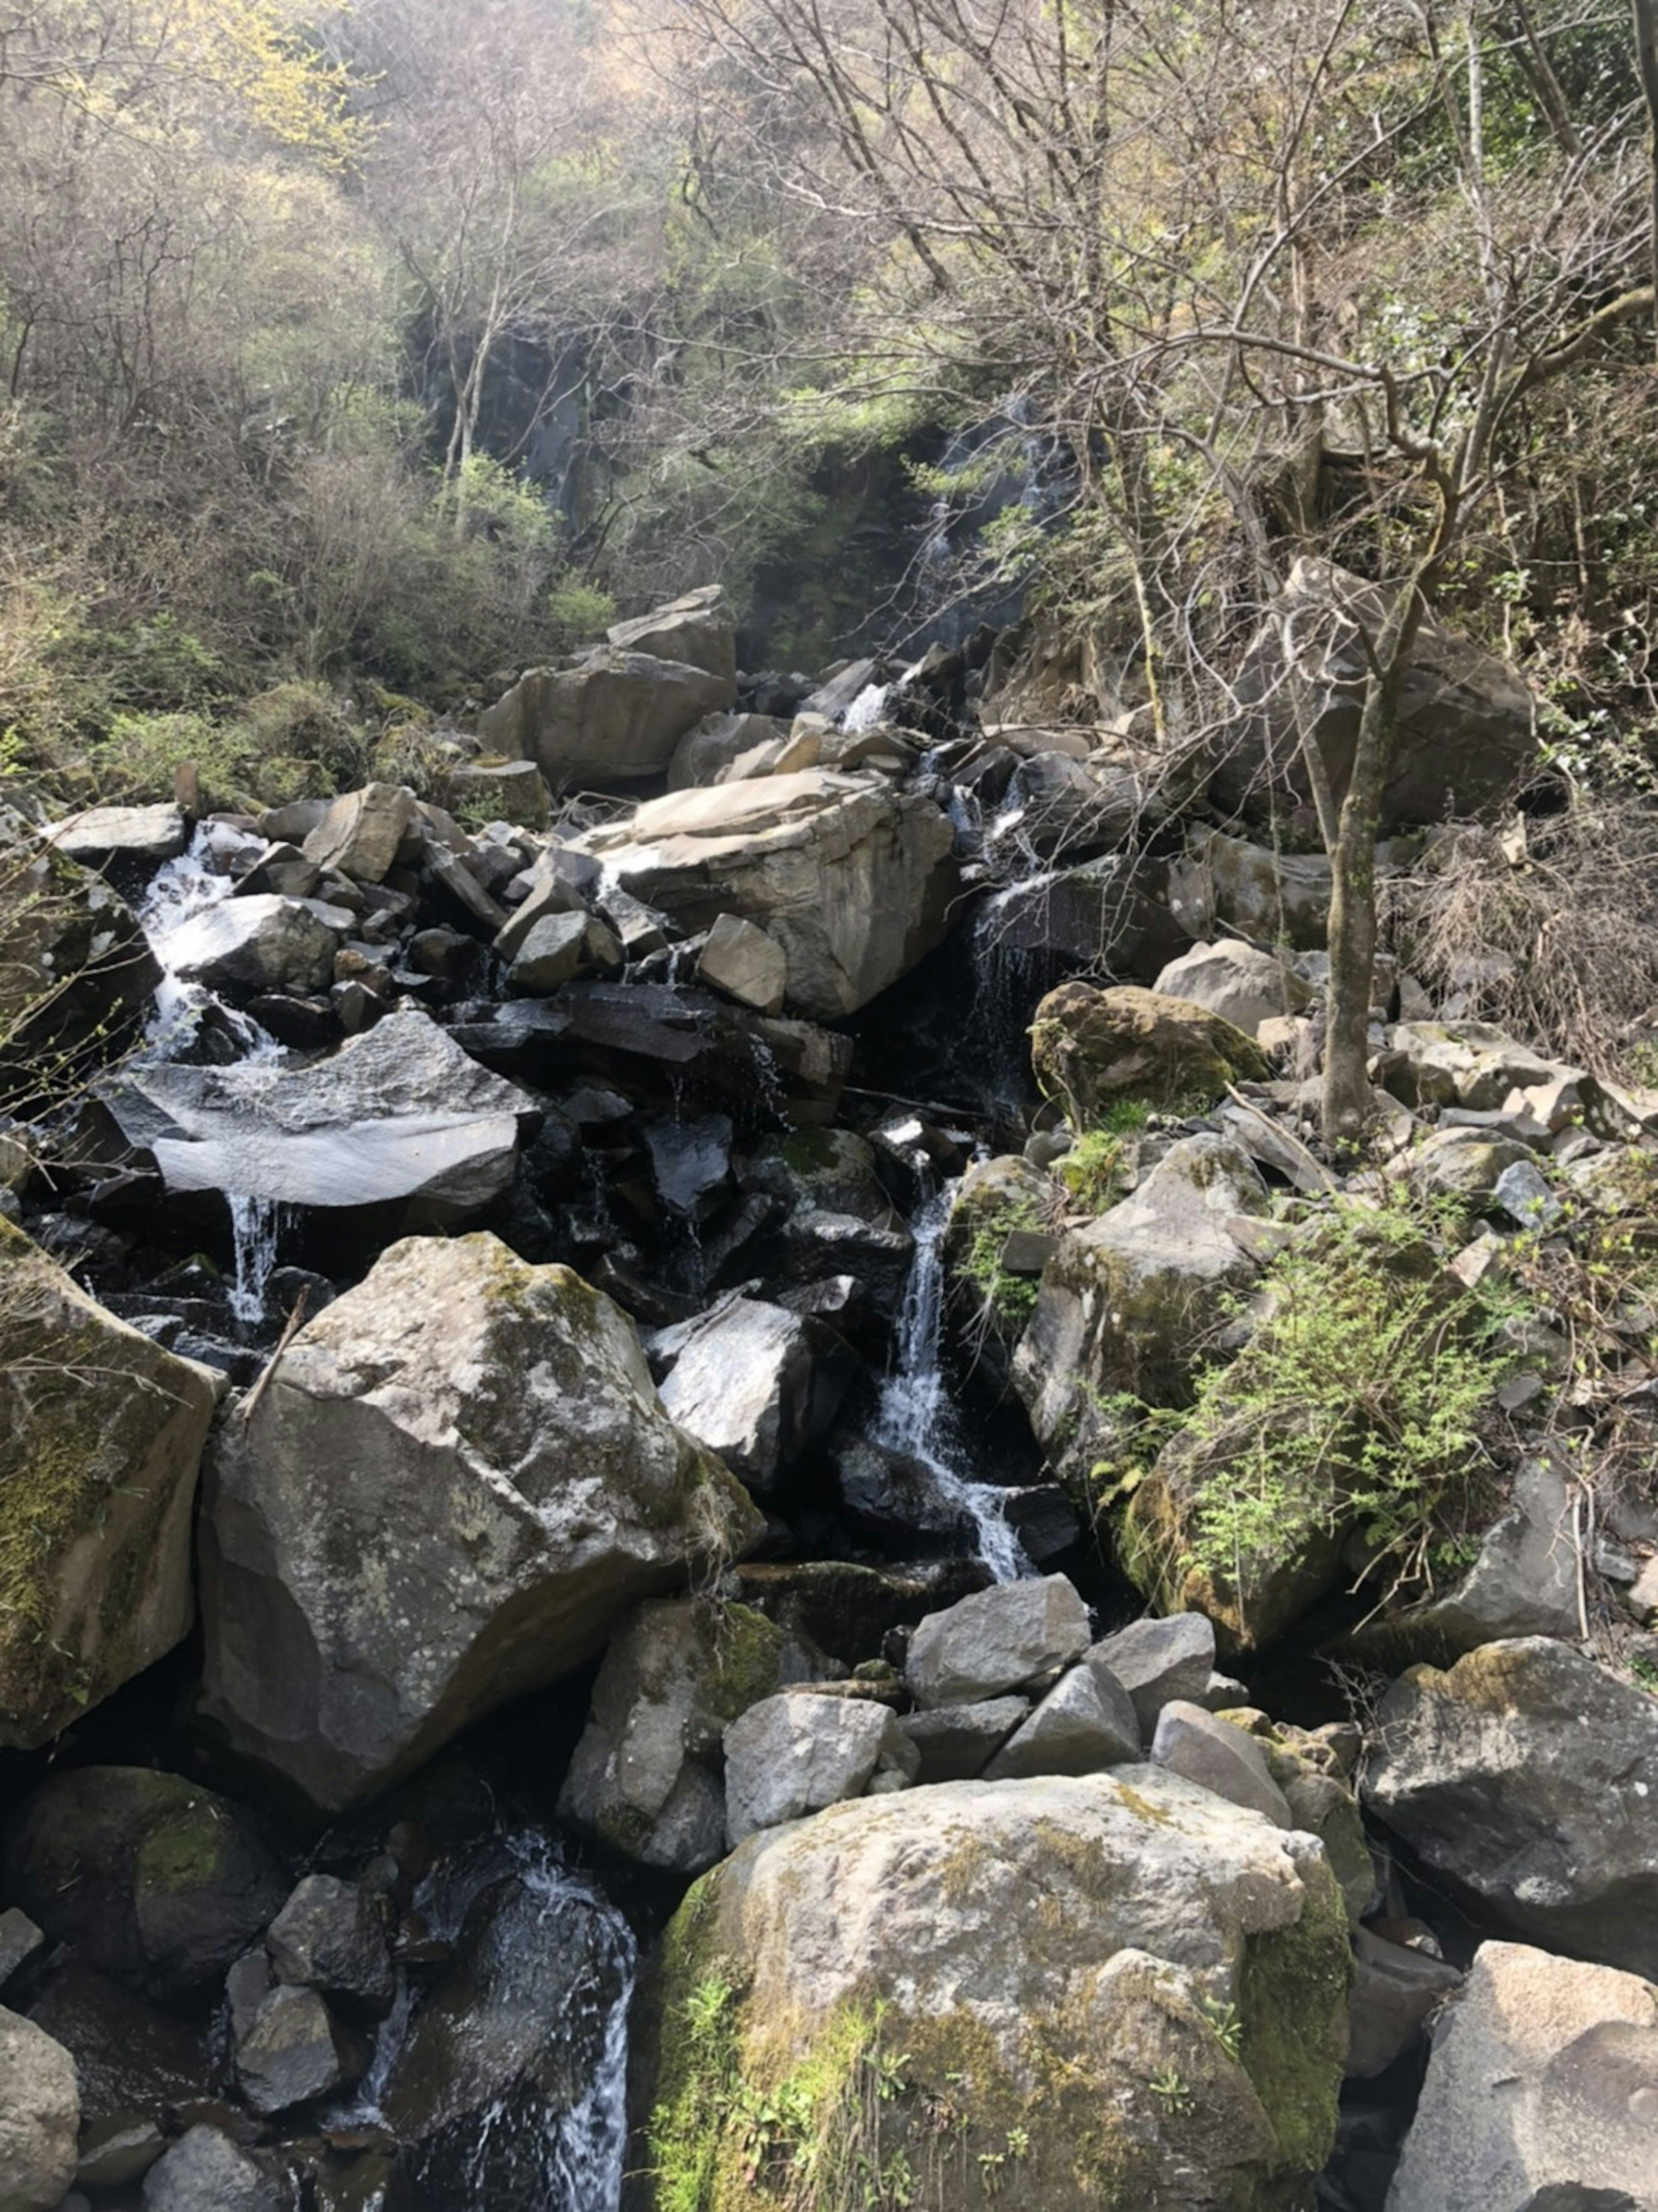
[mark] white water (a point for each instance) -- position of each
(916, 1416)
(868, 709)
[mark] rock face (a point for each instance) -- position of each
(647, 1778)
(614, 718)
(850, 878)
(794, 1754)
(1045, 1951)
(101, 1443)
(756, 1384)
(1541, 2091)
(39, 2118)
(153, 1879)
(74, 970)
(458, 1477)
(1089, 1048)
(1529, 1774)
(998, 1640)
(1466, 717)
(399, 1113)
(1126, 1302)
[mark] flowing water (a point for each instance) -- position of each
(916, 1415)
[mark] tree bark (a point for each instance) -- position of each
(1645, 14)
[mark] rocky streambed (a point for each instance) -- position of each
(708, 1499)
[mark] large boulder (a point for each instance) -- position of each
(399, 1113)
(138, 838)
(361, 834)
(697, 630)
(647, 1778)
(1090, 1048)
(1112, 1991)
(757, 1384)
(39, 2118)
(1465, 720)
(100, 1446)
(613, 718)
(1127, 1302)
(75, 972)
(1003, 1638)
(1542, 2091)
(1241, 984)
(851, 877)
(153, 1879)
(459, 1476)
(1527, 1774)
(258, 944)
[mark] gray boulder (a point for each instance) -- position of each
(360, 834)
(1396, 1992)
(205, 2172)
(1217, 1756)
(100, 1443)
(1005, 1638)
(332, 1935)
(459, 1423)
(400, 1113)
(1049, 1956)
(552, 951)
(151, 1878)
(1465, 719)
(757, 1384)
(40, 2117)
(747, 965)
(956, 1742)
(260, 944)
(850, 876)
(794, 1754)
(144, 836)
(1092, 1048)
(1233, 980)
(1085, 1723)
(75, 972)
(647, 1778)
(291, 2052)
(704, 754)
(1527, 1774)
(1157, 1661)
(697, 630)
(1541, 2091)
(613, 718)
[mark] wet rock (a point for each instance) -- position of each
(361, 834)
(614, 718)
(291, 2052)
(689, 1159)
(1217, 1756)
(1527, 1774)
(745, 963)
(253, 945)
(40, 2117)
(1465, 719)
(647, 1778)
(1243, 986)
(1044, 1520)
(153, 1879)
(116, 2152)
(205, 2172)
(792, 1754)
(460, 1421)
(1540, 2092)
(332, 1935)
(401, 1112)
(853, 879)
(818, 1245)
(102, 836)
(1004, 1639)
(957, 1742)
(697, 630)
(75, 973)
(1396, 1992)
(1085, 1723)
(821, 1170)
(1092, 1048)
(1159, 1660)
(550, 951)
(1075, 1930)
(508, 2045)
(21, 1942)
(99, 1454)
(1054, 805)
(757, 1384)
(134, 2063)
(895, 1499)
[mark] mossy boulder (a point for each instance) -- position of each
(459, 1478)
(100, 1445)
(1090, 1048)
(993, 1304)
(1104, 1993)
(153, 1879)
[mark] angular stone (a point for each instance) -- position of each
(1092, 1048)
(21, 1940)
(100, 835)
(1158, 1660)
(360, 834)
(1000, 1639)
(697, 630)
(1396, 1992)
(332, 1935)
(463, 1422)
(501, 791)
(613, 718)
(100, 1450)
(291, 2054)
(250, 944)
(1541, 2093)
(204, 2171)
(1232, 979)
(744, 963)
(1085, 1723)
(757, 1384)
(1529, 1775)
(40, 2117)
(956, 1742)
(795, 1753)
(552, 951)
(702, 757)
(1217, 1756)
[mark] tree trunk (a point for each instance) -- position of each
(1645, 15)
(1345, 1104)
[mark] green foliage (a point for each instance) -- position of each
(1093, 1171)
(1009, 1299)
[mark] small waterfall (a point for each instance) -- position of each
(916, 1417)
(868, 710)
(256, 1231)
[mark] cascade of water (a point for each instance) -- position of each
(916, 1416)
(868, 709)
(179, 891)
(256, 1231)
